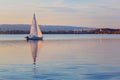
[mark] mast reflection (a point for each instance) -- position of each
(35, 48)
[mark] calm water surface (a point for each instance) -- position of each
(60, 57)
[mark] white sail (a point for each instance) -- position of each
(35, 30)
(39, 33)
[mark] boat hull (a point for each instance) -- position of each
(34, 38)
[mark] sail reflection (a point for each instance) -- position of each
(35, 48)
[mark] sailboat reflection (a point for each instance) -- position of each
(35, 47)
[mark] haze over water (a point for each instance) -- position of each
(60, 57)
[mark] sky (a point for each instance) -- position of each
(88, 13)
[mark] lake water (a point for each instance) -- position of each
(60, 57)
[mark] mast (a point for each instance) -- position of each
(33, 30)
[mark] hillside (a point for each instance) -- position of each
(26, 27)
(54, 29)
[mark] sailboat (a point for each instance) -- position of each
(35, 32)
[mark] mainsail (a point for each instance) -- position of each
(35, 30)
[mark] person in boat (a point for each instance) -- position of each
(29, 36)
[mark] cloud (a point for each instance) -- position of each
(76, 12)
(58, 9)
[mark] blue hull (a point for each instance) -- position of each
(34, 38)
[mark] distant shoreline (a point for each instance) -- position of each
(55, 29)
(96, 31)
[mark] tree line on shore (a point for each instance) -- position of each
(96, 31)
